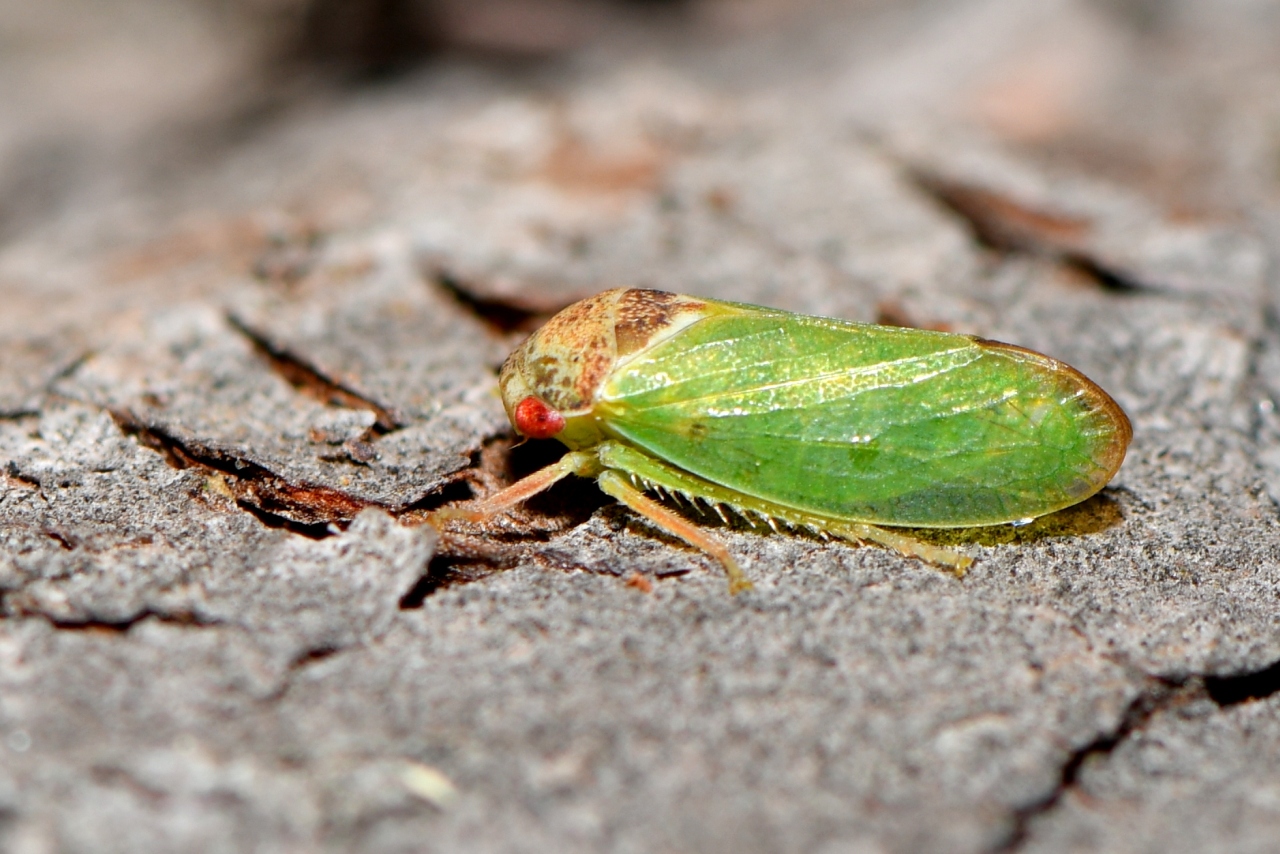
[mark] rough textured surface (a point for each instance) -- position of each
(251, 322)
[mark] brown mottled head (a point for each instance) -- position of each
(563, 365)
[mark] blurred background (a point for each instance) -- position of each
(101, 99)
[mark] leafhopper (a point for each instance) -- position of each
(840, 429)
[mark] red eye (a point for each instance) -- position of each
(537, 420)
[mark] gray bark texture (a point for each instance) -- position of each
(258, 269)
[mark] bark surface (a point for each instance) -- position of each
(252, 314)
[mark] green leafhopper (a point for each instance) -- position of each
(829, 426)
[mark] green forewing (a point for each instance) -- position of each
(868, 423)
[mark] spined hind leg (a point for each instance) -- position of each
(615, 456)
(616, 485)
(956, 562)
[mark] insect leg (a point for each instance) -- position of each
(613, 484)
(911, 547)
(760, 513)
(583, 463)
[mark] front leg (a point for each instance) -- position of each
(581, 463)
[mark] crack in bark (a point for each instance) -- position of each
(314, 656)
(113, 776)
(318, 512)
(1159, 695)
(462, 559)
(503, 315)
(300, 662)
(121, 626)
(1008, 225)
(253, 486)
(64, 540)
(1232, 690)
(311, 381)
(312, 531)
(18, 476)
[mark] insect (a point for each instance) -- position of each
(806, 423)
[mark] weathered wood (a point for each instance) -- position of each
(230, 388)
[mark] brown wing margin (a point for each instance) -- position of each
(1099, 399)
